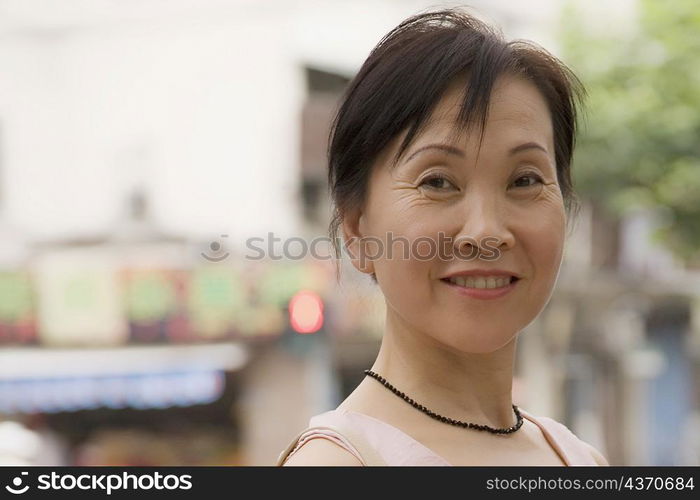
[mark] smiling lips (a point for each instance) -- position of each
(482, 278)
(482, 284)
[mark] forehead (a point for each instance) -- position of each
(517, 112)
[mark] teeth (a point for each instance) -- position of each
(481, 281)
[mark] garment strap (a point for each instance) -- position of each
(331, 426)
(572, 450)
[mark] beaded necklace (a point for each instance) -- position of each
(447, 420)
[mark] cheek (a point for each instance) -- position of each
(408, 254)
(544, 242)
(406, 234)
(405, 268)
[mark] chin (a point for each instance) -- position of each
(483, 342)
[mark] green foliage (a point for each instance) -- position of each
(640, 140)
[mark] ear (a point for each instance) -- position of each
(354, 243)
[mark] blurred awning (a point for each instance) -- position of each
(57, 380)
(144, 391)
(34, 362)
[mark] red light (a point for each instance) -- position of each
(306, 312)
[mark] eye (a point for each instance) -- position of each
(532, 176)
(436, 181)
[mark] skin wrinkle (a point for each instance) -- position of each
(452, 353)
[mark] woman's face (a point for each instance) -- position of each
(505, 190)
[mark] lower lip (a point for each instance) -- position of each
(483, 293)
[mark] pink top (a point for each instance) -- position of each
(374, 442)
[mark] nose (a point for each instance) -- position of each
(486, 231)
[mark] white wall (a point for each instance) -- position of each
(197, 100)
(204, 111)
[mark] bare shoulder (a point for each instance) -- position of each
(598, 456)
(321, 452)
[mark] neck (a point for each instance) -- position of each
(464, 386)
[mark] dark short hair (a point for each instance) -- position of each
(407, 73)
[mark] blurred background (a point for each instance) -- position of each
(142, 142)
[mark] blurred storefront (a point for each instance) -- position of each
(151, 363)
(143, 349)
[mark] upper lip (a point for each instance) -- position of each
(481, 272)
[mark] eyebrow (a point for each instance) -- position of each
(458, 152)
(526, 146)
(442, 147)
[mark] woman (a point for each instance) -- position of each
(450, 174)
